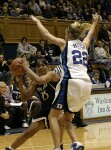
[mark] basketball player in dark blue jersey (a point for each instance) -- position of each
(45, 87)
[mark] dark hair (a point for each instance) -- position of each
(41, 61)
(23, 38)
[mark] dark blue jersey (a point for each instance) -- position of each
(46, 93)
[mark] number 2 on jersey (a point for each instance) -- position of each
(79, 57)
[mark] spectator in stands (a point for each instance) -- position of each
(107, 6)
(42, 47)
(86, 15)
(28, 10)
(108, 81)
(69, 9)
(51, 49)
(15, 111)
(99, 52)
(104, 73)
(42, 4)
(95, 79)
(106, 48)
(49, 12)
(99, 8)
(5, 73)
(109, 18)
(78, 7)
(79, 15)
(4, 115)
(5, 11)
(16, 13)
(35, 7)
(61, 13)
(17, 97)
(39, 55)
(25, 48)
(104, 16)
(103, 35)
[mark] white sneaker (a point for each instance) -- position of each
(7, 127)
(25, 125)
(77, 146)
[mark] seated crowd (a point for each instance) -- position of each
(61, 9)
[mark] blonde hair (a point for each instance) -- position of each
(77, 28)
(86, 26)
(2, 84)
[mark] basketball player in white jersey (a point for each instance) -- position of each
(74, 88)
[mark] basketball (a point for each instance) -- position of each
(16, 68)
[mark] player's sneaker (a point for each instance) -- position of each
(77, 146)
(7, 148)
(61, 146)
(7, 127)
(25, 125)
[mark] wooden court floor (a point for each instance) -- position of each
(95, 137)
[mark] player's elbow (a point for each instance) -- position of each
(41, 81)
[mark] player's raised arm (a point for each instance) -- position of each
(46, 34)
(92, 30)
(50, 76)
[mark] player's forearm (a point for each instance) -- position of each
(33, 76)
(42, 29)
(92, 30)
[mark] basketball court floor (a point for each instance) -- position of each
(95, 136)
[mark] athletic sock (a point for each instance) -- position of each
(11, 148)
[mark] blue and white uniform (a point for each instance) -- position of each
(74, 88)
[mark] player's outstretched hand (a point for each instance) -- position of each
(96, 17)
(32, 17)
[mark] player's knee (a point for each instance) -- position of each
(29, 133)
(68, 122)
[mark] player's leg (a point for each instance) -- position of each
(54, 126)
(69, 126)
(61, 120)
(77, 95)
(34, 128)
(70, 130)
(61, 125)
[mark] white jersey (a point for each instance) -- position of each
(74, 60)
